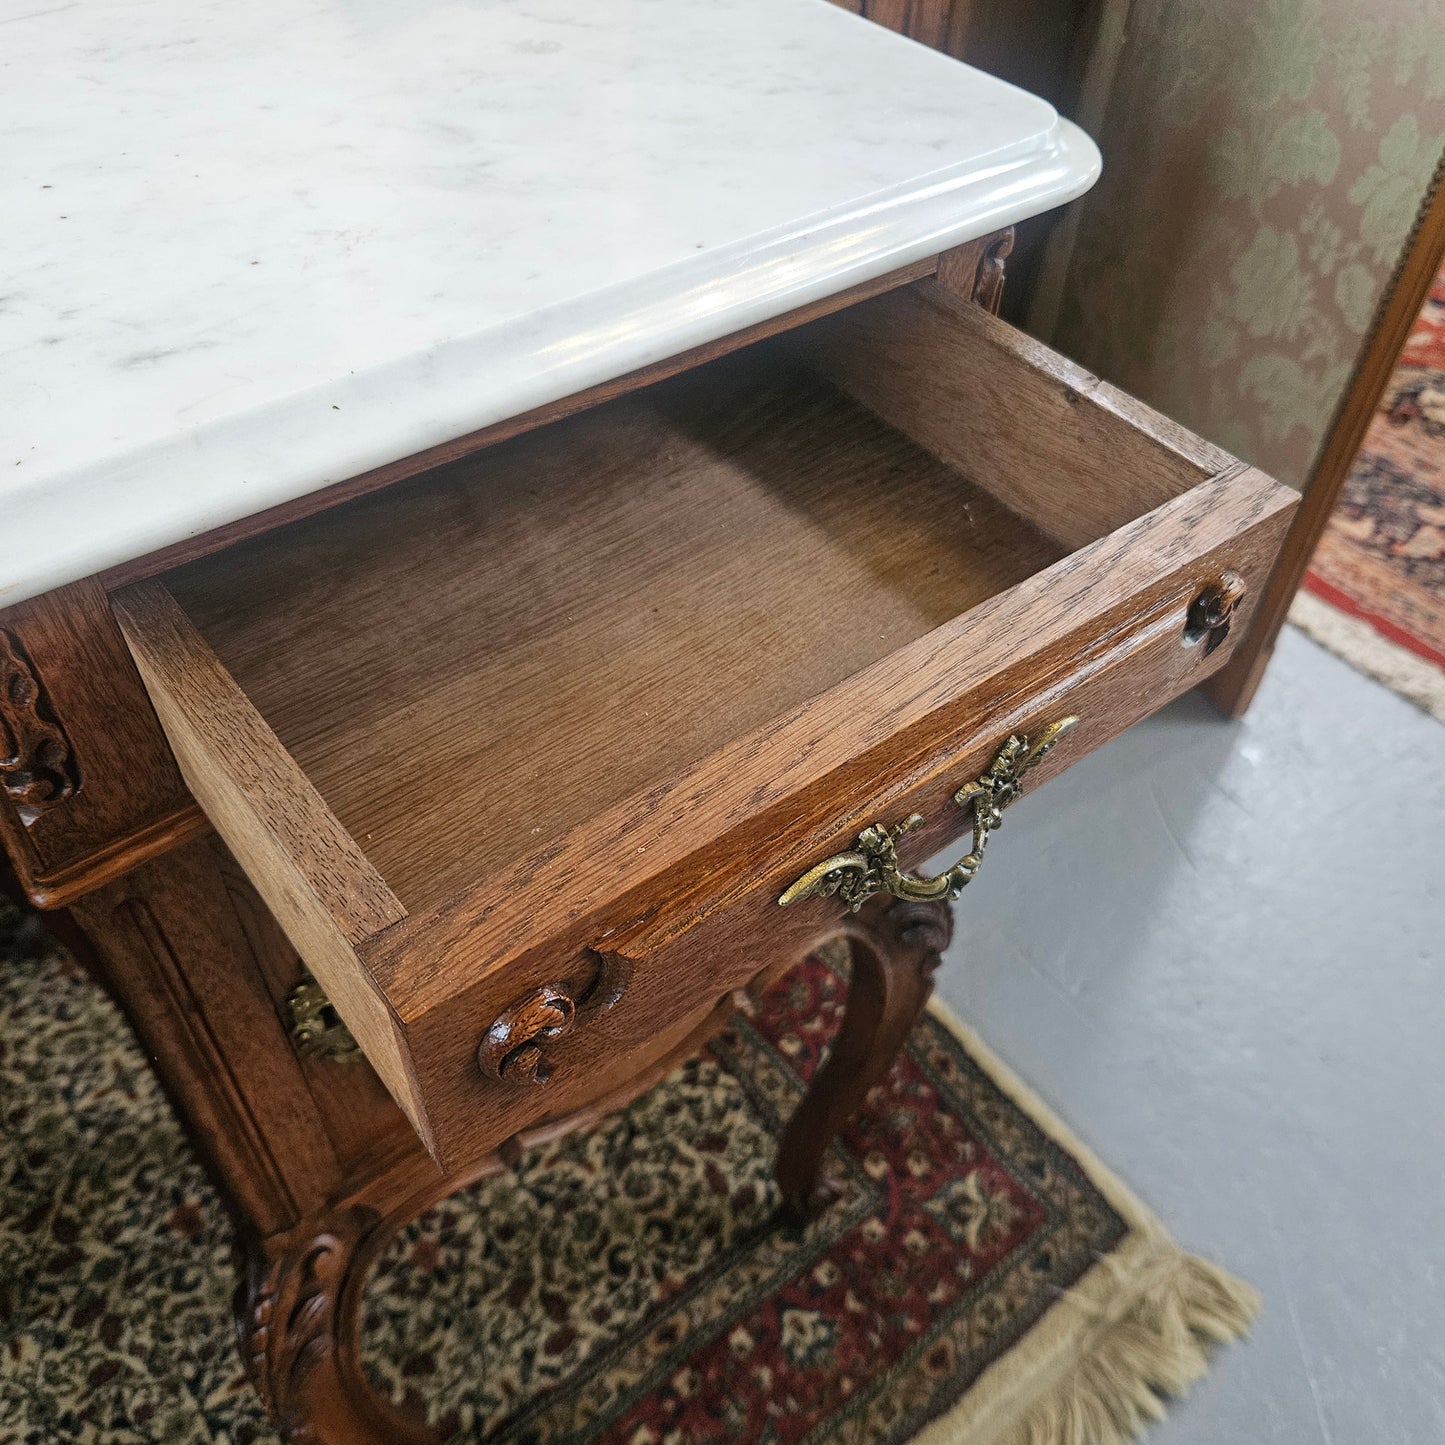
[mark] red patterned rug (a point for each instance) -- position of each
(1375, 590)
(979, 1279)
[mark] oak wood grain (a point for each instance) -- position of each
(672, 888)
(192, 981)
(702, 888)
(103, 862)
(892, 729)
(466, 670)
(132, 804)
(1019, 419)
(350, 1107)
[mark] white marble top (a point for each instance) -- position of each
(252, 247)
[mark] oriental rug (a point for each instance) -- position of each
(1375, 589)
(980, 1278)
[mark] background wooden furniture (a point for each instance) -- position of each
(1234, 688)
(1043, 46)
(969, 539)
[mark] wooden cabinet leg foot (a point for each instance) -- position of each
(896, 948)
(297, 1316)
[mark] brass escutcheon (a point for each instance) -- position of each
(871, 867)
(316, 1028)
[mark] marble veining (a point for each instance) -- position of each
(250, 250)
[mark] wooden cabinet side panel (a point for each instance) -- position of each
(353, 1108)
(184, 971)
(87, 782)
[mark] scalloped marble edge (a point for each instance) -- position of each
(258, 459)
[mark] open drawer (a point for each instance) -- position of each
(522, 753)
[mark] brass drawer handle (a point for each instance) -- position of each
(857, 875)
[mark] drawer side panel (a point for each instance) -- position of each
(316, 881)
(1072, 454)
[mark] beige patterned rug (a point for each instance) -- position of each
(981, 1278)
(1375, 590)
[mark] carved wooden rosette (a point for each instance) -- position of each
(1212, 611)
(515, 1047)
(287, 1321)
(37, 764)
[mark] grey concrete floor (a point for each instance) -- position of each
(1218, 949)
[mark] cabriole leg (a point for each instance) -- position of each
(896, 947)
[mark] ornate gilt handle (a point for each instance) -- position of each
(872, 866)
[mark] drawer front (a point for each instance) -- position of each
(1114, 684)
(713, 923)
(543, 978)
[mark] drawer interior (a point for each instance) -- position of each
(467, 732)
(469, 665)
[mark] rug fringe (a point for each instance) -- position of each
(1182, 1309)
(1135, 1331)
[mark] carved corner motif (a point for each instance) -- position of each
(288, 1314)
(37, 763)
(297, 1317)
(989, 277)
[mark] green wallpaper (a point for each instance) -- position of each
(1263, 162)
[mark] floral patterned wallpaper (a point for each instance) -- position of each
(1263, 163)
